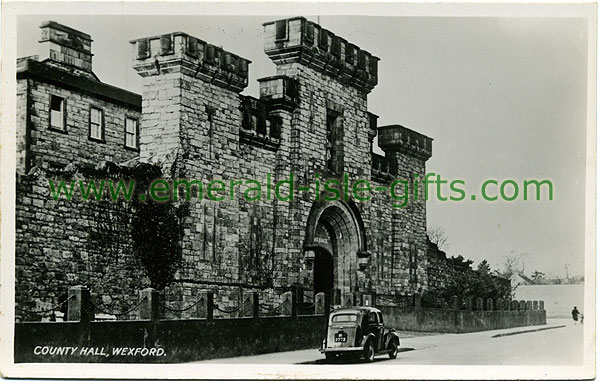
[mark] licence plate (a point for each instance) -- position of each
(340, 337)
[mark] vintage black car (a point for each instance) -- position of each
(359, 331)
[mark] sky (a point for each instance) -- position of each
(503, 98)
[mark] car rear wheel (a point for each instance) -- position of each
(369, 352)
(329, 357)
(393, 349)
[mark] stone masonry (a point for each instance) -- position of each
(310, 120)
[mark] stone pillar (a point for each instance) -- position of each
(255, 302)
(348, 300)
(500, 305)
(468, 303)
(479, 304)
(286, 299)
(201, 306)
(417, 299)
(246, 310)
(319, 303)
(210, 305)
(454, 304)
(148, 310)
(337, 297)
(294, 302)
(490, 304)
(535, 305)
(78, 304)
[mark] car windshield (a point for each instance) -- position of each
(344, 317)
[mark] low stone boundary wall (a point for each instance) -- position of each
(165, 341)
(458, 321)
(250, 328)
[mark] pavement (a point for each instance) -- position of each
(559, 342)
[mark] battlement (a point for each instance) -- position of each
(259, 127)
(397, 138)
(302, 41)
(180, 52)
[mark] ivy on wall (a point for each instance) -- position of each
(156, 230)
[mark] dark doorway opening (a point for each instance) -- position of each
(323, 269)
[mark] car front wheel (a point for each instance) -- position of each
(369, 352)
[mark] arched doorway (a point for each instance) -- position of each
(323, 271)
(335, 237)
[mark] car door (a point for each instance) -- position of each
(381, 331)
(375, 326)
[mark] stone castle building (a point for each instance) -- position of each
(192, 122)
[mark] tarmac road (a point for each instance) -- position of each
(560, 345)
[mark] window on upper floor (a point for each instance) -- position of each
(131, 133)
(96, 124)
(57, 113)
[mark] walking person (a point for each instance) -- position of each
(575, 314)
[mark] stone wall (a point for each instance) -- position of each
(439, 268)
(181, 340)
(196, 126)
(443, 272)
(458, 321)
(311, 119)
(61, 243)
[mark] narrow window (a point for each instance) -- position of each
(275, 129)
(96, 124)
(57, 112)
(210, 112)
(412, 259)
(131, 133)
(205, 234)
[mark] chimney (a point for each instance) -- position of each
(66, 46)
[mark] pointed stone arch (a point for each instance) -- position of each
(335, 233)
